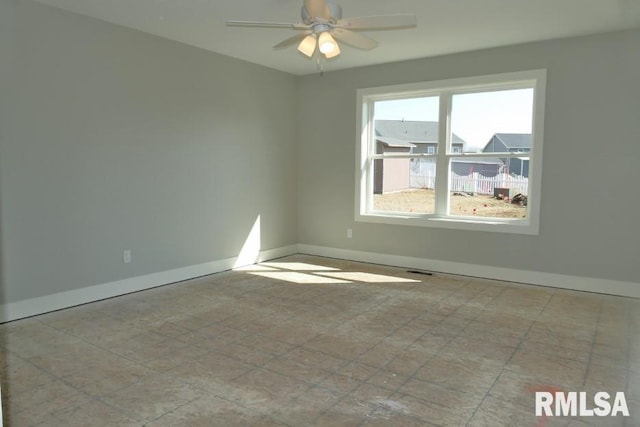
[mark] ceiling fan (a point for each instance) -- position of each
(322, 25)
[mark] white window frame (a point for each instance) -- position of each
(445, 89)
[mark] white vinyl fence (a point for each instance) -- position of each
(477, 183)
(424, 176)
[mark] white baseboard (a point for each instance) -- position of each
(45, 304)
(587, 284)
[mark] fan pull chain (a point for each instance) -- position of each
(320, 63)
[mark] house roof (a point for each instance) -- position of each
(479, 161)
(394, 142)
(514, 140)
(417, 132)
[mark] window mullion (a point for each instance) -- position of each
(370, 150)
(442, 160)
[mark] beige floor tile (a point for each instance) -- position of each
(41, 403)
(433, 342)
(262, 389)
(552, 349)
(306, 408)
(187, 321)
(151, 398)
(108, 378)
(387, 379)
(264, 344)
(307, 373)
(290, 332)
(409, 361)
(616, 355)
(519, 388)
(19, 376)
(460, 372)
(480, 348)
(211, 366)
(91, 413)
(144, 346)
(601, 422)
(209, 411)
(177, 357)
(36, 339)
(550, 367)
(430, 413)
(357, 371)
(381, 354)
(609, 377)
(251, 356)
(464, 401)
(394, 419)
(499, 335)
(498, 412)
(345, 414)
(340, 384)
(341, 347)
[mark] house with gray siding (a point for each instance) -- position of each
(512, 143)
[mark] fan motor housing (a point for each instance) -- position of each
(335, 11)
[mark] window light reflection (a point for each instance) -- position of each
(305, 273)
(255, 267)
(298, 266)
(300, 278)
(368, 277)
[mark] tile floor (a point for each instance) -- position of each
(314, 341)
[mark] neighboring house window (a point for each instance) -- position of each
(474, 188)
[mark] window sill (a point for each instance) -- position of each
(496, 225)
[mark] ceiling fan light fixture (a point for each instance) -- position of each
(335, 52)
(322, 24)
(308, 45)
(328, 45)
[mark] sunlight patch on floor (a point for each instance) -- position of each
(368, 277)
(299, 266)
(304, 273)
(255, 267)
(301, 278)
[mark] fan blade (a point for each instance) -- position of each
(268, 25)
(354, 39)
(317, 8)
(382, 22)
(291, 41)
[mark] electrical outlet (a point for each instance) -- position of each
(126, 256)
(349, 233)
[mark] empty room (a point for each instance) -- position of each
(319, 213)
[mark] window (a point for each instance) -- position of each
(463, 153)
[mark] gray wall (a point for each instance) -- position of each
(7, 25)
(590, 204)
(113, 139)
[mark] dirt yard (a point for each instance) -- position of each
(422, 201)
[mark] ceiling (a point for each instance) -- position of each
(444, 26)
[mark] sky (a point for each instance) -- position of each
(475, 117)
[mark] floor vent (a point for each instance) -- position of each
(426, 273)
